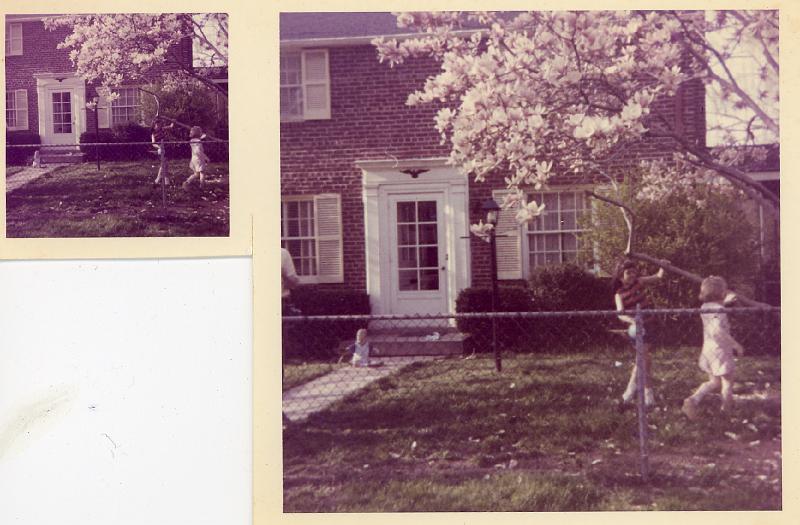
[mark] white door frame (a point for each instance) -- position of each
(380, 179)
(47, 83)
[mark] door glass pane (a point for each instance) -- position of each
(429, 257)
(408, 280)
(406, 234)
(427, 211)
(417, 246)
(406, 212)
(427, 234)
(407, 258)
(429, 279)
(62, 112)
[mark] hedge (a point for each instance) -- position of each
(20, 156)
(119, 135)
(321, 339)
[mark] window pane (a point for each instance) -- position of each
(292, 210)
(408, 280)
(568, 220)
(569, 241)
(551, 201)
(551, 242)
(293, 228)
(429, 257)
(568, 201)
(427, 234)
(550, 220)
(406, 212)
(429, 280)
(407, 257)
(427, 211)
(552, 258)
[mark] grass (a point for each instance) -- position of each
(11, 170)
(119, 201)
(295, 374)
(546, 434)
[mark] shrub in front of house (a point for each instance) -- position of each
(120, 148)
(511, 332)
(313, 339)
(570, 288)
(20, 156)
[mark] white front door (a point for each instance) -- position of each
(418, 255)
(60, 115)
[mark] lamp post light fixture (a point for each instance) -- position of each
(492, 209)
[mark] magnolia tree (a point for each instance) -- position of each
(535, 94)
(113, 49)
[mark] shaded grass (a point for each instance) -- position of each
(11, 170)
(544, 417)
(295, 374)
(119, 201)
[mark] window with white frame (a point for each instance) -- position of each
(297, 234)
(311, 230)
(126, 107)
(305, 85)
(17, 109)
(13, 39)
(554, 236)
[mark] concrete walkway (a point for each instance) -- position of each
(19, 179)
(308, 398)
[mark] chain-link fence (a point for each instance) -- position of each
(520, 386)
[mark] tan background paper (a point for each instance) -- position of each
(254, 176)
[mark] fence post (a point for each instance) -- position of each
(163, 168)
(641, 409)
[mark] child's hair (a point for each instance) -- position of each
(713, 289)
(196, 132)
(622, 265)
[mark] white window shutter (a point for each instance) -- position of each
(509, 247)
(316, 85)
(103, 112)
(16, 39)
(328, 219)
(21, 107)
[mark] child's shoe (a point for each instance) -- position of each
(649, 398)
(627, 396)
(689, 408)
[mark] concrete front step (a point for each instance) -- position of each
(409, 342)
(73, 157)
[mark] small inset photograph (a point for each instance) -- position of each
(117, 125)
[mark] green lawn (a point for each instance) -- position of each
(301, 372)
(546, 434)
(119, 201)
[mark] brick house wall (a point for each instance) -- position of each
(370, 121)
(40, 54)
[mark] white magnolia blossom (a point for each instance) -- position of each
(571, 89)
(529, 211)
(481, 230)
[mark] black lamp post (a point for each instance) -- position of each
(95, 103)
(492, 209)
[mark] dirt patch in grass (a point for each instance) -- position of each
(120, 200)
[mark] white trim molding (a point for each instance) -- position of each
(49, 81)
